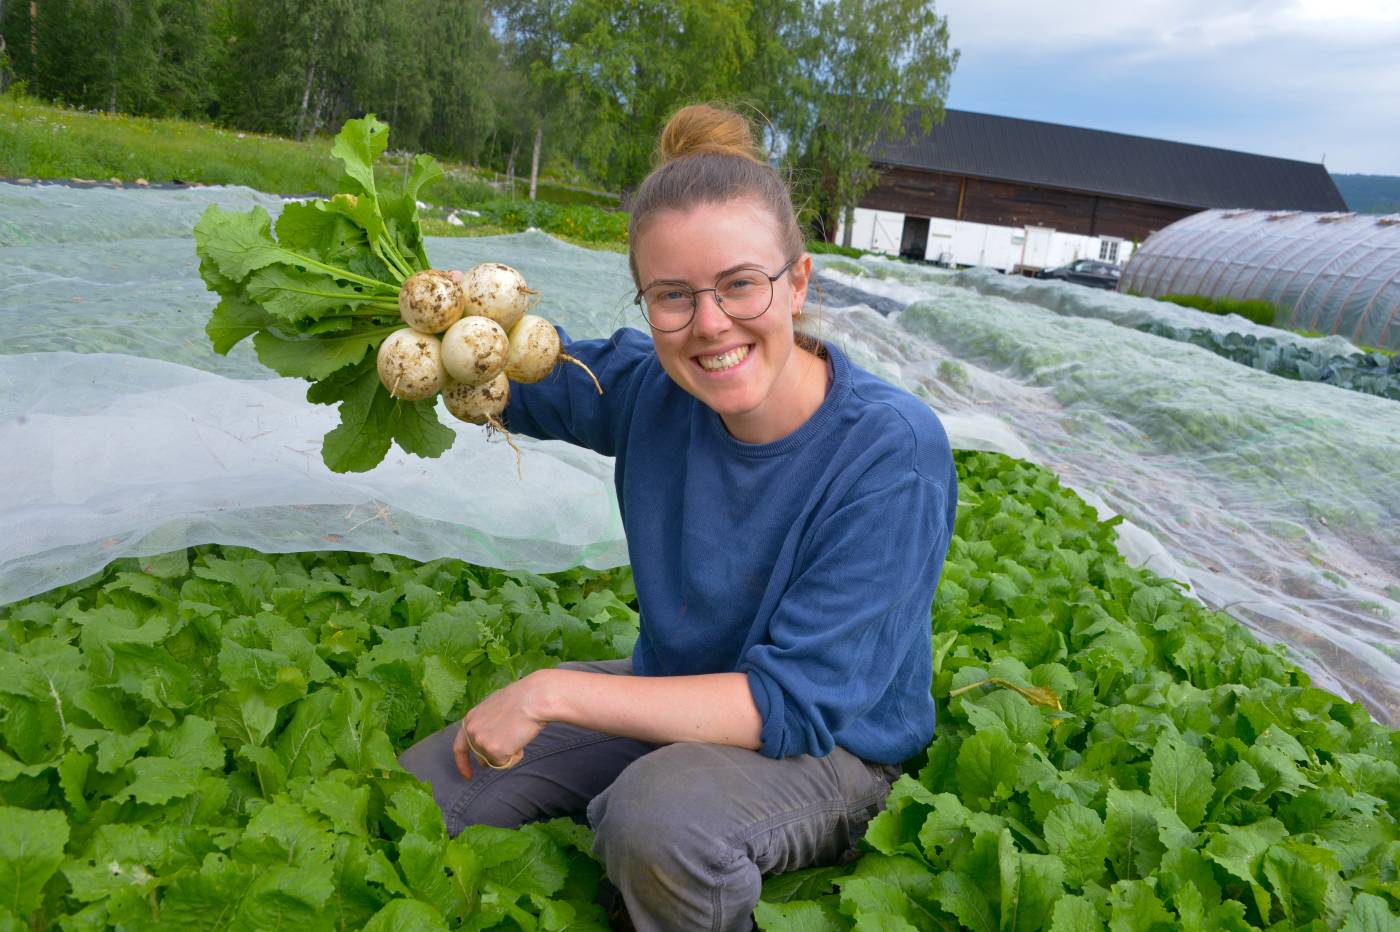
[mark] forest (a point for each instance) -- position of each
(577, 88)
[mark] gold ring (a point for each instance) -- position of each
(516, 758)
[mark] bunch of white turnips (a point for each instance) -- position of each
(469, 341)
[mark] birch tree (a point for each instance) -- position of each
(870, 70)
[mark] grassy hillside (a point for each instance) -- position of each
(1370, 194)
(46, 142)
(43, 142)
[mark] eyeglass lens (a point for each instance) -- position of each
(743, 295)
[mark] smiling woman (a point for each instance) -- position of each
(787, 516)
(731, 346)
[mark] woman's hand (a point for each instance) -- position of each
(717, 708)
(498, 728)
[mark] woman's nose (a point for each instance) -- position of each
(710, 319)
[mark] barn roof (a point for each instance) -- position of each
(1116, 164)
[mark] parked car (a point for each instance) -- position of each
(1089, 272)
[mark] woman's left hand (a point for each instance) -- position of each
(498, 728)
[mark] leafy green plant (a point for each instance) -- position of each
(207, 740)
(1365, 348)
(1373, 373)
(1110, 752)
(1256, 311)
(320, 297)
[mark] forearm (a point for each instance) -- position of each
(716, 708)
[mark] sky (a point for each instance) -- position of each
(1315, 80)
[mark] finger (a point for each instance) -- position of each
(462, 753)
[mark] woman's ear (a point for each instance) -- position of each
(800, 276)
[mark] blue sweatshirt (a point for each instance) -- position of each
(808, 564)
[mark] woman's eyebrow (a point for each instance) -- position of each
(664, 281)
(729, 271)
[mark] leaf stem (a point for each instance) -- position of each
(342, 273)
(390, 253)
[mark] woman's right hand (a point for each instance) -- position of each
(497, 729)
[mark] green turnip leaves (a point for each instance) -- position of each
(1184, 777)
(321, 295)
(207, 740)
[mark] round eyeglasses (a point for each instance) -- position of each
(743, 294)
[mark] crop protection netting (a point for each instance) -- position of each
(125, 434)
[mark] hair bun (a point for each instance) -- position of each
(699, 129)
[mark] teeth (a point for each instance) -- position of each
(724, 360)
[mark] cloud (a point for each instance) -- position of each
(1295, 79)
(1167, 26)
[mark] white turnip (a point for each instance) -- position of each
(497, 291)
(474, 350)
(535, 350)
(482, 404)
(478, 404)
(430, 301)
(410, 364)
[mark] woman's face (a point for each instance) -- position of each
(749, 371)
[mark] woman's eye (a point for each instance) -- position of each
(739, 284)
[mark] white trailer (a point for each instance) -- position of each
(960, 243)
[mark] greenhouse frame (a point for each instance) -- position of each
(1325, 272)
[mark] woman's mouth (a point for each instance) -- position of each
(725, 360)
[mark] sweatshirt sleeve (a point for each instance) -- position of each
(852, 631)
(566, 405)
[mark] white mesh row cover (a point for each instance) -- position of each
(1280, 498)
(124, 434)
(1125, 310)
(1331, 273)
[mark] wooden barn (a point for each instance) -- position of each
(1023, 194)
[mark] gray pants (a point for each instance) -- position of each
(686, 831)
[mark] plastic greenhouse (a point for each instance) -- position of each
(1333, 273)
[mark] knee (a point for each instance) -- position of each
(661, 811)
(665, 833)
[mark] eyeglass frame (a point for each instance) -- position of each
(696, 292)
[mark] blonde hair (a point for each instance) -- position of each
(707, 155)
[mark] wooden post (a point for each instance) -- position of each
(962, 192)
(535, 159)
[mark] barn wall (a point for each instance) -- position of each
(1007, 204)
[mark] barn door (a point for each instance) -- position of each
(914, 243)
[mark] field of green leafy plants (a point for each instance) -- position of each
(207, 739)
(1374, 373)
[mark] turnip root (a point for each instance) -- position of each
(478, 404)
(410, 364)
(430, 301)
(474, 350)
(497, 291)
(535, 350)
(482, 404)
